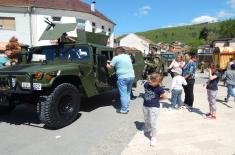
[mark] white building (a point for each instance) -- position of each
(24, 19)
(136, 41)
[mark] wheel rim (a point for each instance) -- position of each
(66, 106)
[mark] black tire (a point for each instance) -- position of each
(60, 108)
(8, 107)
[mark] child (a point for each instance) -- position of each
(212, 88)
(153, 93)
(229, 76)
(176, 88)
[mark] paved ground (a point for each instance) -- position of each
(187, 133)
(100, 130)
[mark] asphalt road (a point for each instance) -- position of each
(98, 130)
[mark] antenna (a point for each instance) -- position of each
(51, 24)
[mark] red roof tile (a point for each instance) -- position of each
(71, 5)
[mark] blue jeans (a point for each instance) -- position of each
(230, 91)
(124, 87)
(176, 98)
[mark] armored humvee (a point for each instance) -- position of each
(155, 64)
(55, 77)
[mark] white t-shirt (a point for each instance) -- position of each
(177, 82)
(175, 64)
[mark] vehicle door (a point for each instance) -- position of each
(81, 55)
(138, 64)
(105, 79)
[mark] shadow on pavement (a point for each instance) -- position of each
(26, 114)
(107, 99)
(222, 102)
(23, 114)
(139, 125)
(165, 104)
(197, 111)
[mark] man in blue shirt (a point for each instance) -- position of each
(188, 72)
(125, 73)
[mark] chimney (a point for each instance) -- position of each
(93, 6)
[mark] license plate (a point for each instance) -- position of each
(36, 86)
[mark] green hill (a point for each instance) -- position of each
(186, 34)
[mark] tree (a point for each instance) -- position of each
(227, 29)
(211, 36)
(204, 34)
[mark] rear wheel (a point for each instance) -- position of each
(6, 105)
(61, 107)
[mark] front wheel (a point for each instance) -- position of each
(6, 105)
(61, 107)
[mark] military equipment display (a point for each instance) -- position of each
(223, 51)
(155, 64)
(55, 77)
(168, 57)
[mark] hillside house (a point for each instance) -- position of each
(24, 19)
(139, 42)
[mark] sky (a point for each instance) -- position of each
(142, 15)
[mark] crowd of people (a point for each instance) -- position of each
(182, 71)
(9, 57)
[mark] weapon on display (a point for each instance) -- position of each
(51, 24)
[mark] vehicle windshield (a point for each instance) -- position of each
(168, 56)
(63, 53)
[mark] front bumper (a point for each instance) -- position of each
(9, 82)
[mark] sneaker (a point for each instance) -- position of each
(211, 117)
(175, 107)
(122, 112)
(225, 100)
(190, 109)
(153, 141)
(208, 114)
(183, 107)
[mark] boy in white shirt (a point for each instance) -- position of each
(177, 88)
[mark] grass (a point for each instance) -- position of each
(185, 34)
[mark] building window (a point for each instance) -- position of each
(56, 19)
(103, 28)
(7, 23)
(81, 24)
(93, 27)
(110, 31)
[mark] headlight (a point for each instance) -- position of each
(38, 75)
(52, 74)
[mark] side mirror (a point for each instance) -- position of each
(102, 60)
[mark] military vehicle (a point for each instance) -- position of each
(223, 51)
(155, 64)
(168, 57)
(55, 77)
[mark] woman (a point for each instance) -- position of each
(188, 72)
(176, 64)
